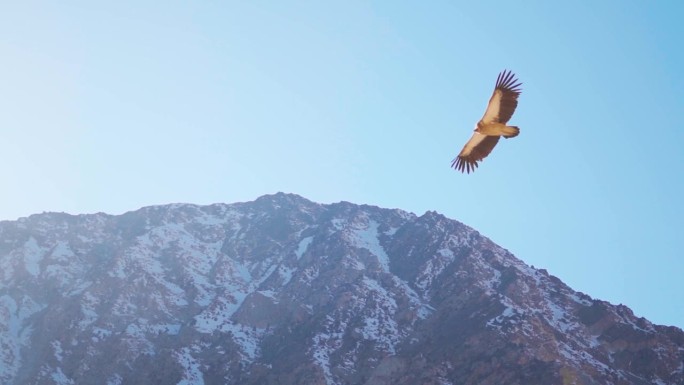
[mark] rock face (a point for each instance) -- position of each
(282, 290)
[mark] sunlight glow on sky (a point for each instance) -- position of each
(108, 107)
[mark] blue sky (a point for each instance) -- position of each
(111, 107)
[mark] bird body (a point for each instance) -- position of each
(492, 126)
(497, 129)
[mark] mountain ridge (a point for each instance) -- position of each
(285, 290)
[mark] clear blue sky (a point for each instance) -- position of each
(111, 106)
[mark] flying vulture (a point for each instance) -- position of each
(492, 126)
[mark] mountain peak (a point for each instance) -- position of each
(285, 290)
(283, 197)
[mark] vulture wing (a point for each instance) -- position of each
(504, 100)
(477, 148)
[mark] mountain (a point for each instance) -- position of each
(282, 290)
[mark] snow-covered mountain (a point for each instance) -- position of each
(282, 290)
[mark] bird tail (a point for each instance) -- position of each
(510, 132)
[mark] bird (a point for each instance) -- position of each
(492, 126)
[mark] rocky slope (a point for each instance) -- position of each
(282, 290)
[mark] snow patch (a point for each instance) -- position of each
(582, 301)
(100, 334)
(310, 273)
(379, 326)
(582, 356)
(303, 246)
(115, 380)
(324, 344)
(33, 254)
(504, 317)
(238, 283)
(391, 231)
(60, 378)
(433, 268)
(62, 252)
(286, 273)
(192, 374)
(321, 356)
(79, 288)
(423, 309)
(494, 281)
(559, 317)
(338, 224)
(367, 238)
(247, 338)
(14, 333)
(57, 348)
(353, 263)
(269, 294)
(88, 303)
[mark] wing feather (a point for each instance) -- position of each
(476, 149)
(504, 99)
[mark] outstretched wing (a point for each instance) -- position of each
(504, 100)
(477, 148)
